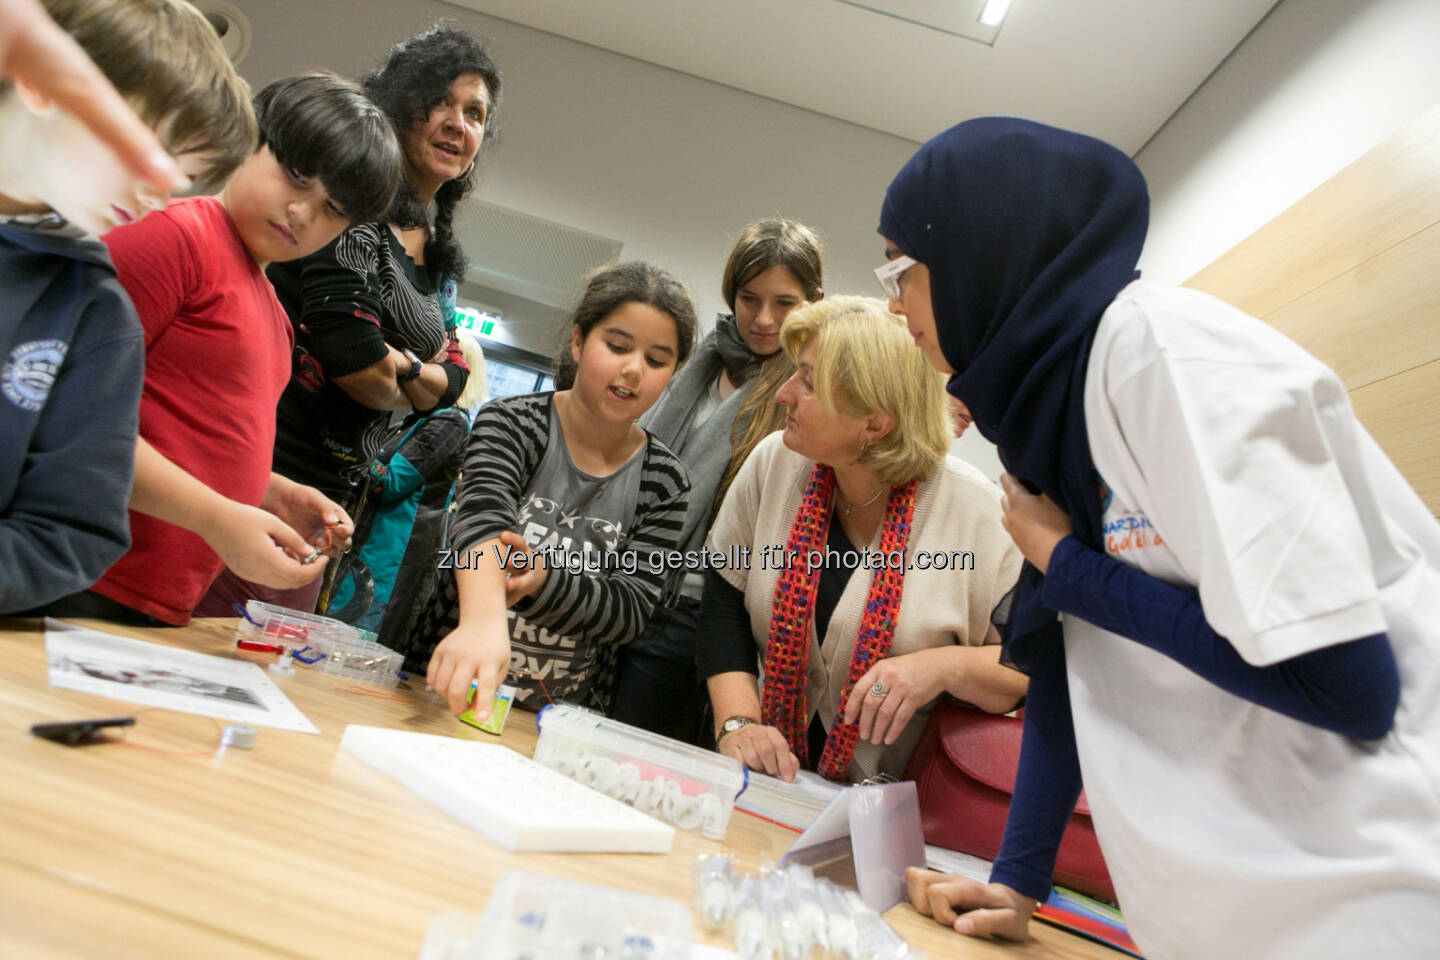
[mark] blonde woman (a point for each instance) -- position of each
(874, 561)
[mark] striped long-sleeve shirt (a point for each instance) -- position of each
(606, 607)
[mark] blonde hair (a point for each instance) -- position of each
(477, 389)
(758, 417)
(867, 363)
(166, 59)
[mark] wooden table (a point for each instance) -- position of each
(291, 849)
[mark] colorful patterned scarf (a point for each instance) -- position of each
(787, 653)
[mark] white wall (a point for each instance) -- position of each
(1314, 87)
(672, 166)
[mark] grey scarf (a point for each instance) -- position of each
(704, 451)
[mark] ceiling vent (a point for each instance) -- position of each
(529, 257)
(232, 26)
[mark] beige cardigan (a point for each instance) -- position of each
(956, 509)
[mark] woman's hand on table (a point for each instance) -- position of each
(1033, 521)
(968, 906)
(887, 695)
(470, 652)
(760, 748)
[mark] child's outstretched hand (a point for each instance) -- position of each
(470, 652)
(34, 51)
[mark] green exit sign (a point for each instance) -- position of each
(480, 321)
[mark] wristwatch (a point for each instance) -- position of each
(415, 367)
(731, 725)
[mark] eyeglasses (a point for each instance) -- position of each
(889, 275)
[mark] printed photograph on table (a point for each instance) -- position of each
(170, 678)
(158, 678)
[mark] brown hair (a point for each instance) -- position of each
(167, 61)
(776, 242)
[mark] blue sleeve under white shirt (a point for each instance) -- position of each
(1234, 467)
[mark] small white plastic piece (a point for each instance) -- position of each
(752, 927)
(240, 735)
(628, 784)
(808, 911)
(840, 926)
(713, 815)
(784, 921)
(714, 898)
(283, 667)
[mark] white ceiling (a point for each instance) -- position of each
(1115, 69)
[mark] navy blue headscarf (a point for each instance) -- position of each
(1029, 232)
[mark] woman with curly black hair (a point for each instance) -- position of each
(374, 311)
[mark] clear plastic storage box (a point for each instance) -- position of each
(327, 645)
(533, 915)
(693, 789)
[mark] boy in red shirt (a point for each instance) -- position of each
(217, 355)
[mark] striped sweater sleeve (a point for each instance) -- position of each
(613, 606)
(505, 449)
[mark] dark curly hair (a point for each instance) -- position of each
(415, 76)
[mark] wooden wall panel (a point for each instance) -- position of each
(1377, 320)
(1383, 198)
(1352, 273)
(1401, 413)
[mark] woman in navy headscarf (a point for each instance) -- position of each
(1247, 673)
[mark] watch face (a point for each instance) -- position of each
(734, 723)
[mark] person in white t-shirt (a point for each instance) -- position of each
(1245, 668)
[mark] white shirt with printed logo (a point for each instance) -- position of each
(1235, 466)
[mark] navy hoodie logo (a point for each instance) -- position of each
(30, 372)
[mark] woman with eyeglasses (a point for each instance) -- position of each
(872, 562)
(1246, 666)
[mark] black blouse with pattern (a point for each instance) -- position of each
(347, 301)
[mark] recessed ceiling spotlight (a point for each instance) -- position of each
(231, 25)
(994, 12)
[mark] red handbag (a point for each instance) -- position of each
(964, 771)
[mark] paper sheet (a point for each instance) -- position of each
(951, 861)
(167, 677)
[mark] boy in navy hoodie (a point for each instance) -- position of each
(71, 352)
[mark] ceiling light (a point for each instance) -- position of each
(994, 12)
(231, 26)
